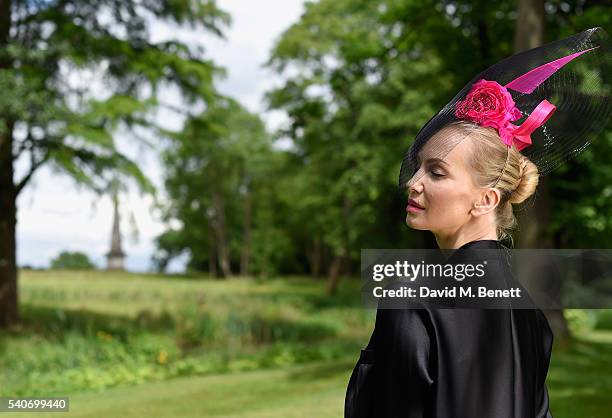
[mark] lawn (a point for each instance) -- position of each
(315, 390)
(145, 345)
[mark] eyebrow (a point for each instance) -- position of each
(433, 160)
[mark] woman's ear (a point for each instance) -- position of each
(489, 199)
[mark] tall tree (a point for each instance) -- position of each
(577, 216)
(47, 119)
(362, 78)
(535, 221)
(528, 34)
(217, 173)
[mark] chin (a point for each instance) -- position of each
(414, 224)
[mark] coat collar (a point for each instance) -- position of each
(465, 252)
(483, 243)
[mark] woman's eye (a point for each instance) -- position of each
(436, 174)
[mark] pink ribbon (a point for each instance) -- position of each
(521, 135)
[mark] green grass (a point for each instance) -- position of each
(580, 377)
(95, 330)
(123, 344)
(579, 384)
(315, 390)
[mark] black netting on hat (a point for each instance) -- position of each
(579, 89)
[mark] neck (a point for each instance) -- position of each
(459, 238)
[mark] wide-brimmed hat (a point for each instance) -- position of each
(550, 102)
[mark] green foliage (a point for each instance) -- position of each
(72, 260)
(91, 331)
(581, 211)
(54, 50)
(220, 174)
(273, 247)
(362, 77)
(580, 388)
(196, 327)
(581, 320)
(604, 320)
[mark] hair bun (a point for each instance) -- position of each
(528, 179)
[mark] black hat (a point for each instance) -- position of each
(549, 102)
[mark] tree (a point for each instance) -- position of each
(535, 222)
(365, 76)
(72, 260)
(541, 226)
(218, 176)
(48, 120)
(362, 77)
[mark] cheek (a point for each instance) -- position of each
(449, 202)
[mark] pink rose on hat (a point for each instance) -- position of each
(488, 104)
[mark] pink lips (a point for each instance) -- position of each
(413, 206)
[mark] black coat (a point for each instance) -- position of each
(453, 363)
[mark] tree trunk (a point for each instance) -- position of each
(9, 312)
(314, 257)
(246, 245)
(334, 274)
(529, 33)
(219, 227)
(340, 257)
(212, 255)
(317, 257)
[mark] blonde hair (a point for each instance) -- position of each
(505, 168)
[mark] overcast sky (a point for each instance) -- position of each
(54, 215)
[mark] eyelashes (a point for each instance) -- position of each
(436, 175)
(431, 171)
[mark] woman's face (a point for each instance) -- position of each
(443, 186)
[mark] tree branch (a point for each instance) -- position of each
(34, 165)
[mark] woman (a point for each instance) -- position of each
(459, 362)
(463, 173)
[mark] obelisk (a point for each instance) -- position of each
(115, 257)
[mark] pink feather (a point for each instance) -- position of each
(528, 82)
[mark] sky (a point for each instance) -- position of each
(55, 215)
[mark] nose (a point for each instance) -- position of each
(414, 184)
